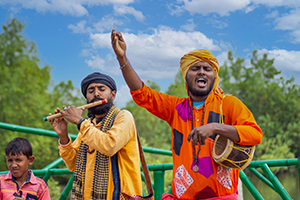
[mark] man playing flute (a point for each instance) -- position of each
(105, 156)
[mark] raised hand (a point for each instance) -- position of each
(118, 44)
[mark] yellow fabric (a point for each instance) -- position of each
(201, 55)
(120, 138)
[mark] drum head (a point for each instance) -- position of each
(221, 148)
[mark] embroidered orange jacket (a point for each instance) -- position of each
(211, 180)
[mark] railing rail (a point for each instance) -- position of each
(159, 169)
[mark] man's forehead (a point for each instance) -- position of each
(201, 63)
(97, 85)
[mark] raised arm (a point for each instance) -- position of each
(131, 77)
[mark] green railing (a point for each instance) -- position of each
(159, 169)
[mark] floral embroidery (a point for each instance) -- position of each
(182, 180)
(224, 176)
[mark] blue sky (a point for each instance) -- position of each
(73, 36)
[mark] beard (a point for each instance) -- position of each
(197, 92)
(101, 109)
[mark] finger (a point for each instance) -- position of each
(195, 139)
(119, 34)
(113, 35)
(190, 135)
(202, 141)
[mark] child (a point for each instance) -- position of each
(20, 183)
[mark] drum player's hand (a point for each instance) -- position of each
(200, 133)
(60, 126)
(72, 114)
(118, 43)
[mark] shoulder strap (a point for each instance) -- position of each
(145, 168)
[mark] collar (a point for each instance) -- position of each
(31, 178)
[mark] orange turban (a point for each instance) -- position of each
(201, 55)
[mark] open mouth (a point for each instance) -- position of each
(201, 82)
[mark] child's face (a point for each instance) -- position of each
(18, 165)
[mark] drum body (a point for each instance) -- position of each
(228, 154)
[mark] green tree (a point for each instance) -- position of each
(178, 87)
(27, 95)
(272, 99)
(154, 130)
(23, 84)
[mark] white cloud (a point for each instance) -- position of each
(66, 7)
(123, 10)
(100, 40)
(217, 23)
(273, 14)
(250, 8)
(222, 58)
(105, 24)
(275, 3)
(290, 22)
(284, 60)
(123, 96)
(189, 26)
(204, 7)
(69, 7)
(96, 62)
(225, 7)
(155, 55)
(79, 27)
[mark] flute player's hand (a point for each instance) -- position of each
(72, 114)
(60, 126)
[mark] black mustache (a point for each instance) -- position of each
(201, 76)
(96, 99)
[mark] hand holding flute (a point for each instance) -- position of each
(97, 103)
(70, 113)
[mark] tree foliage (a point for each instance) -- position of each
(27, 94)
(272, 100)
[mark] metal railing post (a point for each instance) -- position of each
(68, 188)
(159, 183)
(255, 193)
(274, 180)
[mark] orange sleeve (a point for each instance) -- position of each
(159, 104)
(243, 120)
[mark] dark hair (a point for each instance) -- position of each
(19, 146)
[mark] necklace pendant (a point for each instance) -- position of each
(195, 168)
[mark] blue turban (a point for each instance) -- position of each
(97, 77)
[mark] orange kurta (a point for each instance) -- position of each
(211, 180)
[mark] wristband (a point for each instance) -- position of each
(65, 145)
(125, 64)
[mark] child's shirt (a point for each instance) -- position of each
(33, 188)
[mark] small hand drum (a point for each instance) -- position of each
(228, 154)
